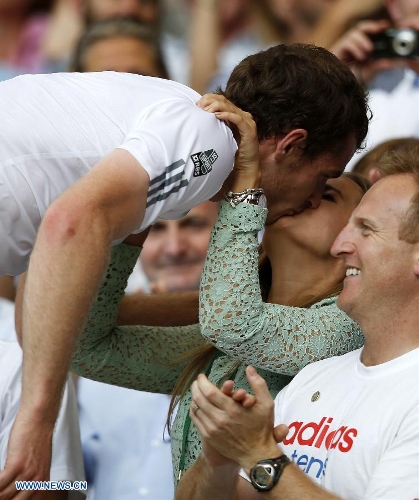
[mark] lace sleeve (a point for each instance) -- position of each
(233, 316)
(138, 357)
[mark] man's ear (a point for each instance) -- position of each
(374, 175)
(295, 139)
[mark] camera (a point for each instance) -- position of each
(392, 42)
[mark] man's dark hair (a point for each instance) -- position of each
(301, 86)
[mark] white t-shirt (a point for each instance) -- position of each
(67, 459)
(355, 429)
(55, 128)
(394, 102)
(126, 447)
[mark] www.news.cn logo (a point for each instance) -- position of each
(50, 485)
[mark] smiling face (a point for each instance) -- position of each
(293, 182)
(175, 250)
(380, 266)
(317, 229)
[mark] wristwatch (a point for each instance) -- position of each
(254, 196)
(266, 473)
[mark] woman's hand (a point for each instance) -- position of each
(246, 165)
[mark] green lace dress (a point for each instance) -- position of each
(142, 358)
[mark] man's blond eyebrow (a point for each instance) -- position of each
(362, 220)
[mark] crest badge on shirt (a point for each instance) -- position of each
(315, 397)
(203, 162)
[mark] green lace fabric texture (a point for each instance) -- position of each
(144, 358)
(278, 340)
(234, 318)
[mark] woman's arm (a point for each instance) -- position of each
(233, 316)
(142, 358)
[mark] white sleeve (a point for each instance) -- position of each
(187, 154)
(396, 475)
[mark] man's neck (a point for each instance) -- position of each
(388, 343)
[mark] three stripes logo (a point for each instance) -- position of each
(172, 179)
(169, 182)
(203, 162)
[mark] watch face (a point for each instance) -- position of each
(263, 475)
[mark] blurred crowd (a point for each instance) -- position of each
(198, 43)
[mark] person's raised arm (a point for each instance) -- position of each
(159, 309)
(66, 267)
(261, 333)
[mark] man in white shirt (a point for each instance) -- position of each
(353, 421)
(99, 157)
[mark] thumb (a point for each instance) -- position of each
(280, 432)
(258, 384)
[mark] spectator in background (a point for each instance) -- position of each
(367, 165)
(222, 33)
(23, 27)
(323, 22)
(123, 44)
(393, 82)
(145, 10)
(173, 255)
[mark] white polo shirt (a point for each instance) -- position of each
(55, 128)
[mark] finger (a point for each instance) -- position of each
(245, 126)
(244, 398)
(206, 417)
(8, 476)
(227, 387)
(10, 492)
(259, 386)
(368, 26)
(207, 100)
(249, 401)
(280, 432)
(212, 394)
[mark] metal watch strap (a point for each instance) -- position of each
(249, 195)
(275, 465)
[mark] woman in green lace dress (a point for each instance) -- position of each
(279, 324)
(279, 339)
